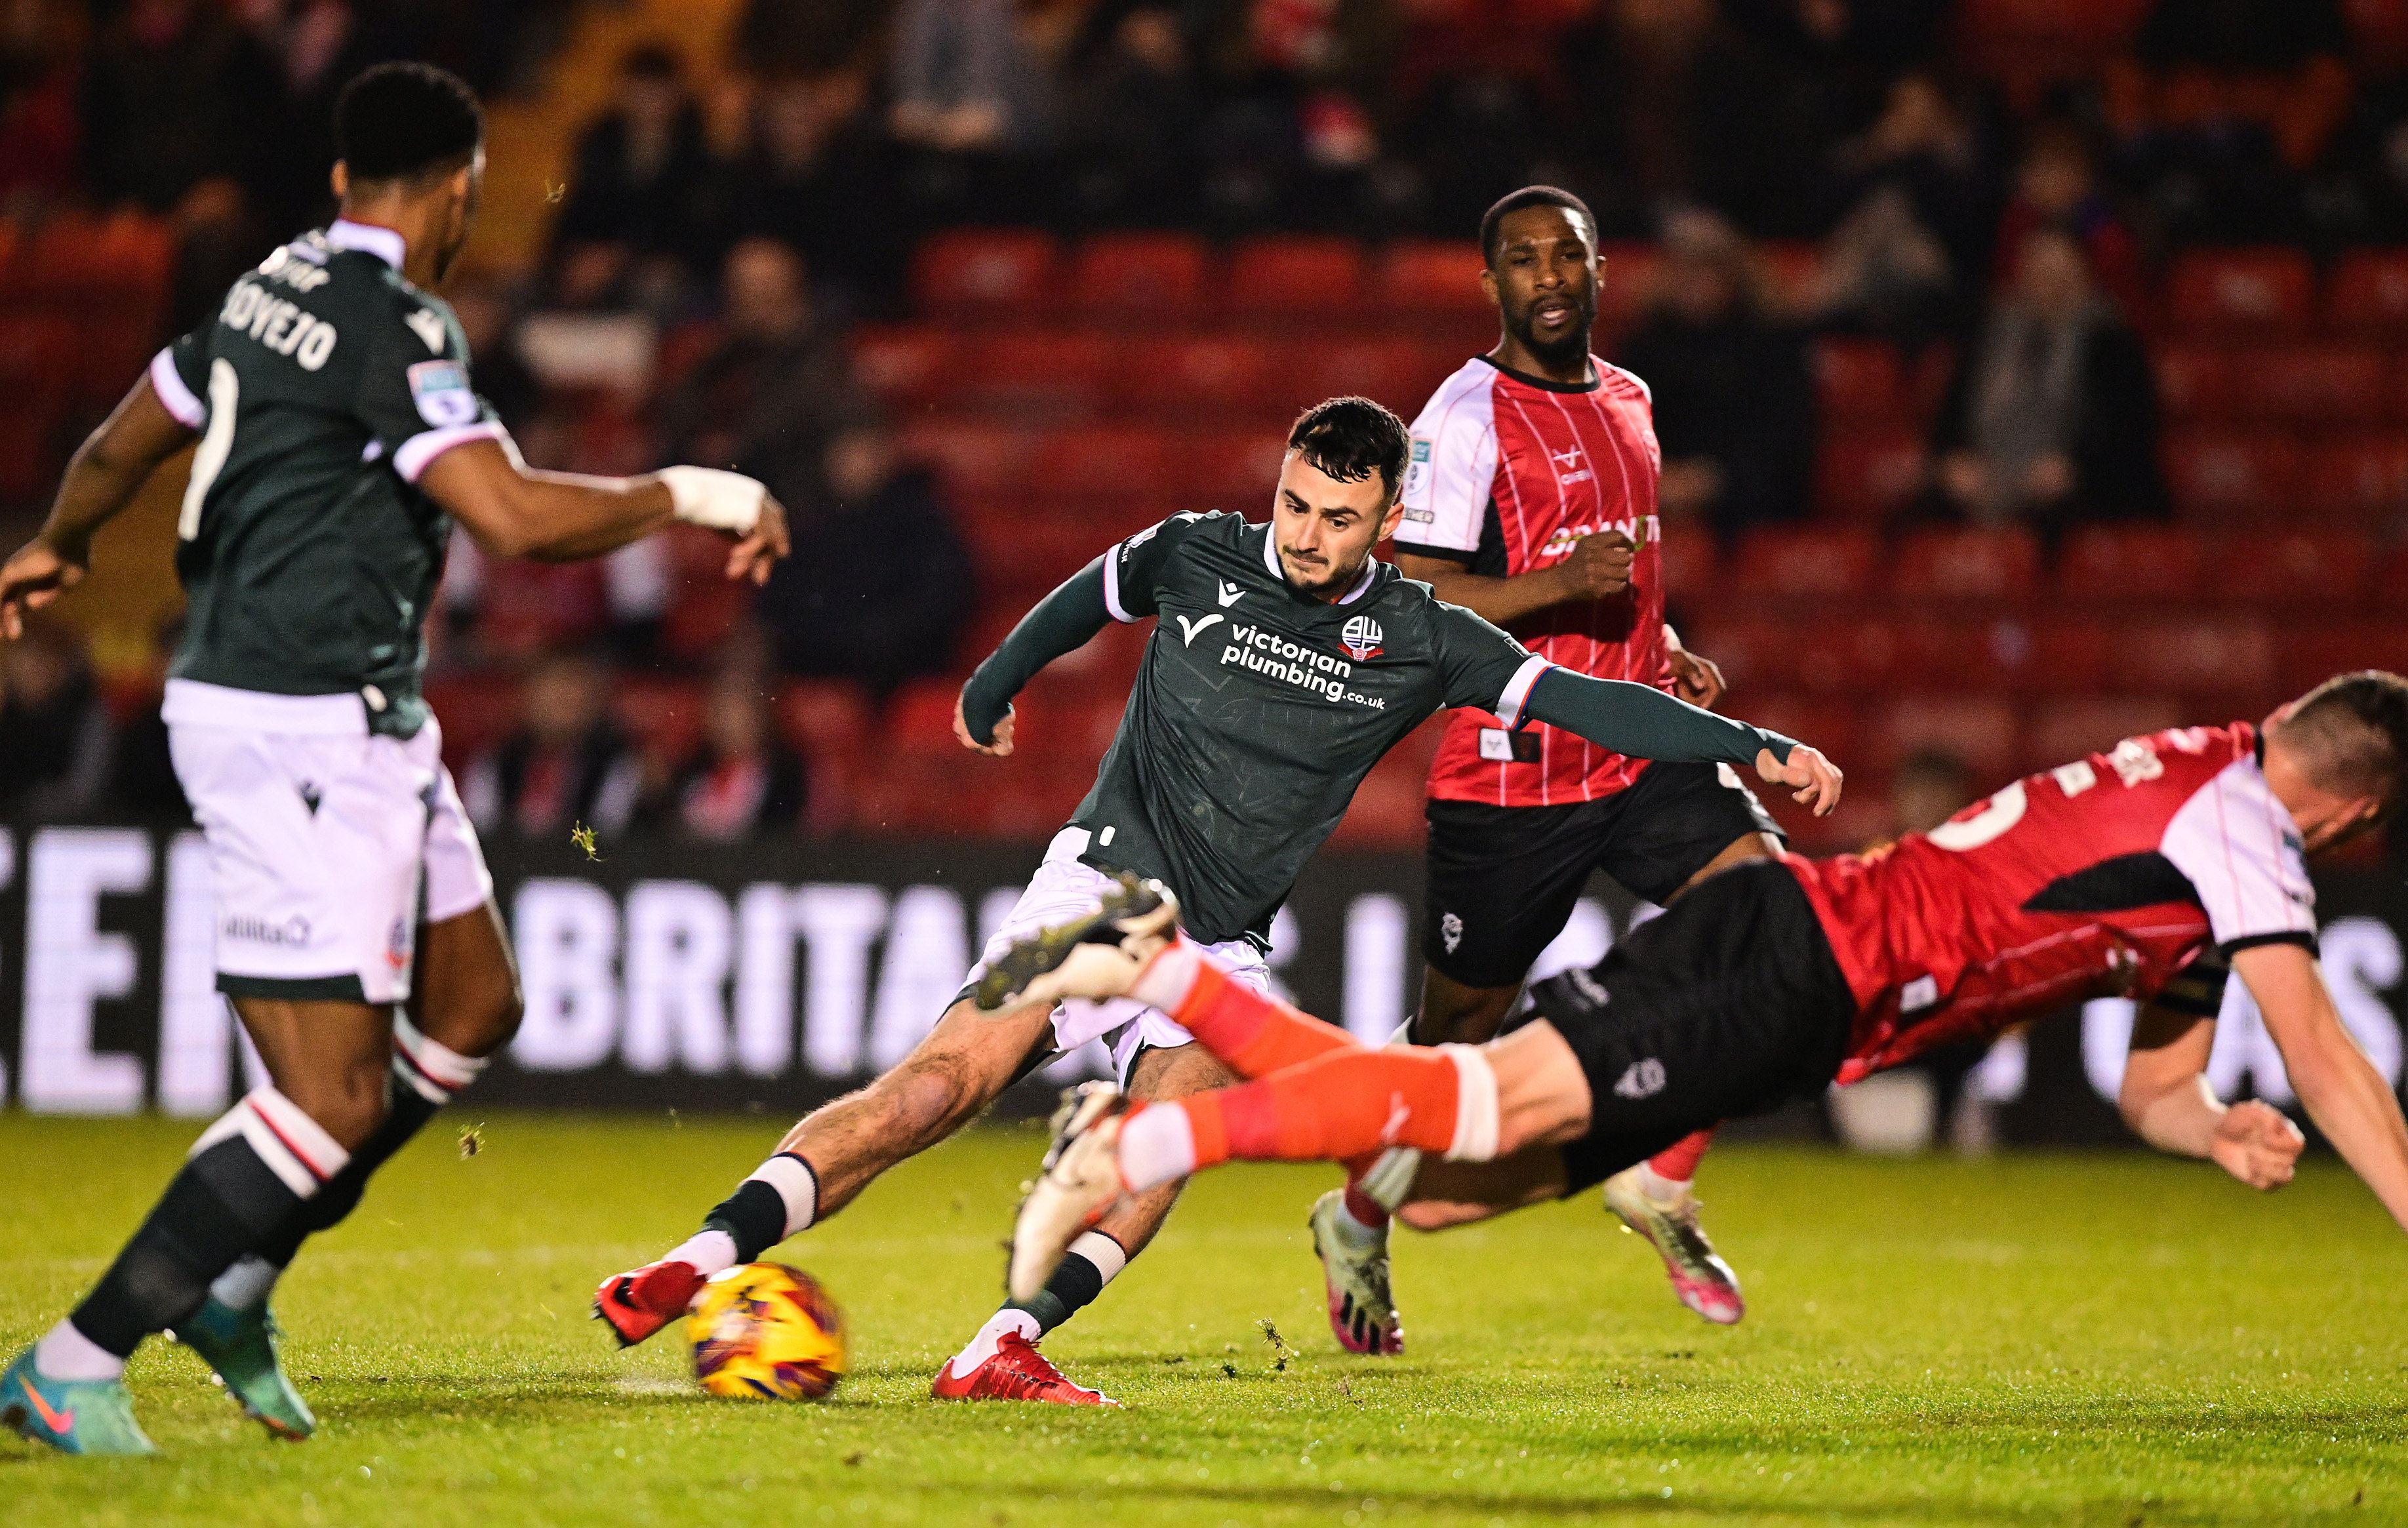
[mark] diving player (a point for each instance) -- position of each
(2153, 871)
(1285, 661)
(339, 439)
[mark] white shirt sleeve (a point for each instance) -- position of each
(1453, 469)
(2236, 844)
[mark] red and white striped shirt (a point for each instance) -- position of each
(1508, 473)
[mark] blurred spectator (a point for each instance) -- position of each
(766, 398)
(1130, 110)
(811, 172)
(627, 221)
(54, 737)
(39, 133)
(567, 764)
(1676, 105)
(806, 36)
(1909, 252)
(1932, 786)
(173, 96)
(972, 102)
(743, 779)
(2056, 186)
(880, 583)
(501, 376)
(2051, 416)
(1733, 388)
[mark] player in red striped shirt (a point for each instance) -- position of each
(1531, 499)
(2155, 871)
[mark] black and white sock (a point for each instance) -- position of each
(427, 1074)
(1093, 1261)
(246, 1179)
(781, 1198)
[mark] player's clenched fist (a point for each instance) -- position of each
(2256, 1144)
(1815, 779)
(1598, 565)
(998, 749)
(36, 576)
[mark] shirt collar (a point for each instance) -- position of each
(383, 242)
(1271, 561)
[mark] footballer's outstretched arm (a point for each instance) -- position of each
(103, 477)
(2343, 1092)
(514, 510)
(1646, 723)
(1063, 621)
(2166, 1100)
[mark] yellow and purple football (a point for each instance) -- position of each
(766, 1332)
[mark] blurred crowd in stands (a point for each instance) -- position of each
(978, 285)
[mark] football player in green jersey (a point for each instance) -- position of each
(1285, 661)
(340, 440)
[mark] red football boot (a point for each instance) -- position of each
(637, 1303)
(1016, 1372)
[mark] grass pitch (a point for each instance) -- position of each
(2112, 1340)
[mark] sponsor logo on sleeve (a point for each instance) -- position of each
(1416, 495)
(428, 327)
(441, 391)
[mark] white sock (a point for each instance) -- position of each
(1002, 1324)
(65, 1353)
(798, 1186)
(428, 1067)
(246, 1284)
(1655, 1186)
(1168, 978)
(707, 1253)
(1157, 1146)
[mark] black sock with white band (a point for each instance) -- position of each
(781, 1198)
(247, 1177)
(427, 1074)
(1093, 1261)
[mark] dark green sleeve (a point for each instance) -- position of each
(1646, 723)
(1062, 623)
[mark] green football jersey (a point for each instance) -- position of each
(1257, 711)
(324, 386)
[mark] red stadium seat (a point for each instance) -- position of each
(2231, 477)
(2362, 479)
(1967, 565)
(1793, 268)
(478, 711)
(1300, 277)
(2199, 382)
(1039, 371)
(1753, 653)
(1160, 277)
(2066, 729)
(1856, 656)
(1868, 476)
(1689, 555)
(2127, 562)
(1859, 379)
(907, 365)
(1982, 729)
(2329, 571)
(2046, 653)
(2086, 26)
(1193, 374)
(1391, 371)
(2199, 657)
(2368, 288)
(1237, 469)
(1431, 279)
(1828, 724)
(2311, 655)
(1119, 464)
(664, 717)
(2323, 385)
(1826, 561)
(989, 269)
(975, 460)
(2241, 289)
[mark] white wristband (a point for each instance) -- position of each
(714, 499)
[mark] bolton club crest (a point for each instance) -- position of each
(1361, 638)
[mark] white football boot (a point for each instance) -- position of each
(1702, 1280)
(1080, 1180)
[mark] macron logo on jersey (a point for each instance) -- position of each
(1231, 593)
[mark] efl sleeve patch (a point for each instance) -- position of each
(440, 391)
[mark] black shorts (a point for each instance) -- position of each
(1729, 1004)
(1503, 880)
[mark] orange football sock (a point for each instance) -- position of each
(1351, 1102)
(1255, 1035)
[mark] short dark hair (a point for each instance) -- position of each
(1351, 438)
(1492, 221)
(2352, 734)
(396, 122)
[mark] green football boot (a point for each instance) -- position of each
(73, 1416)
(240, 1345)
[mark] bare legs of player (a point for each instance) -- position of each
(834, 1152)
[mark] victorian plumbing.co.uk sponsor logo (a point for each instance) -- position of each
(1273, 656)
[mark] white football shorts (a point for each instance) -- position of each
(1063, 887)
(321, 837)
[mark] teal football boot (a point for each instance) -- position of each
(242, 1345)
(73, 1416)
